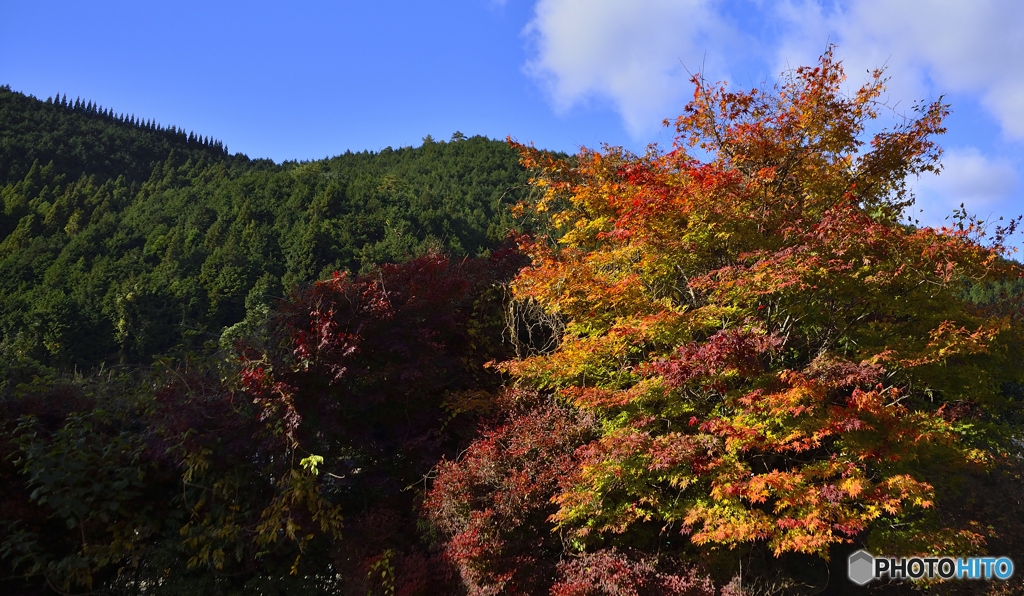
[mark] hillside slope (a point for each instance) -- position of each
(121, 240)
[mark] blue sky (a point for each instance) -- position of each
(306, 80)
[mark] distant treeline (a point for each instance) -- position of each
(92, 109)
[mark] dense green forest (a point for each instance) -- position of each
(478, 368)
(123, 239)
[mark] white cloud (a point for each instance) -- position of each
(982, 184)
(931, 47)
(632, 53)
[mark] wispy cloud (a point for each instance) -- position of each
(629, 53)
(930, 47)
(968, 177)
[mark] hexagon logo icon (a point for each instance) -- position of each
(861, 567)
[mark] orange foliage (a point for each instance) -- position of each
(768, 347)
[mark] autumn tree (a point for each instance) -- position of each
(771, 357)
(302, 467)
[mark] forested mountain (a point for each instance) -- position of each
(122, 239)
